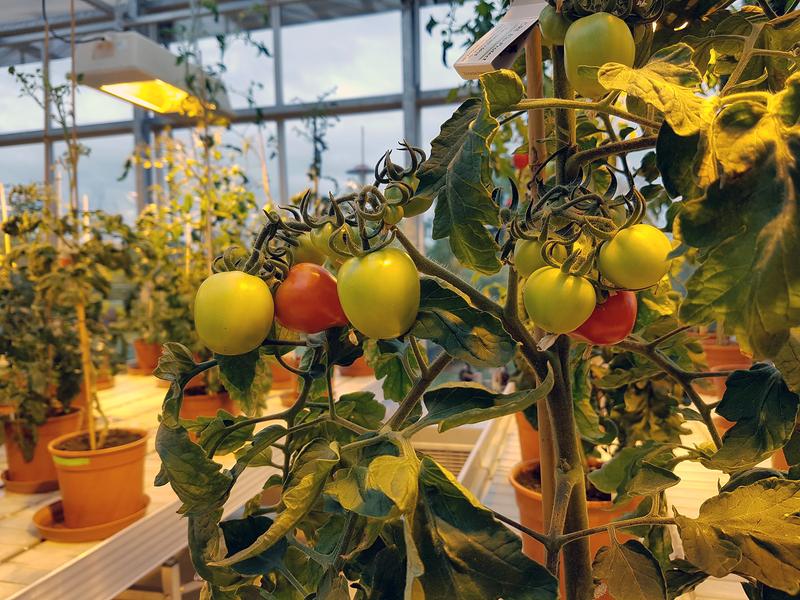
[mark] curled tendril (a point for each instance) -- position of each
(632, 11)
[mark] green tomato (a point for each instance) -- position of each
(321, 236)
(393, 214)
(307, 252)
(558, 302)
(554, 26)
(528, 256)
(636, 258)
(380, 293)
(233, 312)
(594, 41)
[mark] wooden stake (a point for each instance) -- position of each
(4, 208)
(537, 153)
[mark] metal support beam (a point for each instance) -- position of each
(280, 122)
(141, 141)
(100, 5)
(413, 228)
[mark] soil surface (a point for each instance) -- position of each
(532, 479)
(115, 437)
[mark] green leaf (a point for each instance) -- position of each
(465, 332)
(349, 490)
(503, 90)
(464, 205)
(682, 577)
(396, 476)
(620, 475)
(749, 276)
(753, 531)
(669, 82)
(258, 450)
(454, 404)
(765, 411)
(384, 356)
(304, 485)
(205, 546)
(176, 360)
(788, 360)
(651, 479)
(211, 429)
(241, 533)
(466, 553)
(198, 481)
(630, 571)
(247, 378)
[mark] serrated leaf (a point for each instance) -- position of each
(454, 404)
(788, 360)
(253, 453)
(210, 430)
(396, 476)
(384, 356)
(465, 332)
(669, 82)
(247, 378)
(350, 491)
(752, 531)
(241, 533)
(308, 476)
(504, 89)
(176, 360)
(651, 479)
(198, 482)
(765, 412)
(617, 475)
(466, 554)
(682, 577)
(630, 571)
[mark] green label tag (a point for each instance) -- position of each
(70, 462)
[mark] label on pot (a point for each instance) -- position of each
(70, 462)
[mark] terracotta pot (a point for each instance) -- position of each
(105, 382)
(147, 355)
(100, 486)
(359, 368)
(281, 378)
(723, 354)
(530, 509)
(38, 475)
(528, 439)
(206, 405)
(779, 461)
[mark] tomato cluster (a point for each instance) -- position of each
(558, 301)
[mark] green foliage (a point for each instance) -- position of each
(630, 571)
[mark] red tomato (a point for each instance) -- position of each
(611, 322)
(521, 161)
(307, 301)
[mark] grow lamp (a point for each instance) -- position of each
(129, 66)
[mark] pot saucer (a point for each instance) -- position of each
(49, 520)
(28, 487)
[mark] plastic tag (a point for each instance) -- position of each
(499, 47)
(70, 462)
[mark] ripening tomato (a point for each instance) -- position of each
(554, 26)
(557, 301)
(307, 300)
(636, 258)
(233, 312)
(594, 41)
(610, 322)
(528, 256)
(521, 160)
(306, 251)
(380, 292)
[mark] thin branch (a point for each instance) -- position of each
(539, 537)
(571, 537)
(623, 146)
(563, 491)
(670, 334)
(422, 361)
(537, 104)
(771, 14)
(415, 393)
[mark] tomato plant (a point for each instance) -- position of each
(307, 300)
(380, 292)
(528, 256)
(554, 26)
(233, 312)
(701, 143)
(636, 258)
(308, 252)
(592, 42)
(611, 321)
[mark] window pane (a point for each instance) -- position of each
(382, 131)
(92, 106)
(354, 57)
(18, 112)
(21, 164)
(435, 74)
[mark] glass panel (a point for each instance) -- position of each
(435, 74)
(18, 112)
(93, 106)
(21, 164)
(382, 131)
(360, 56)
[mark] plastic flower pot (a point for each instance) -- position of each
(718, 355)
(359, 368)
(147, 355)
(39, 474)
(528, 439)
(529, 502)
(103, 485)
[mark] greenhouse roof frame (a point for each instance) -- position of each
(22, 40)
